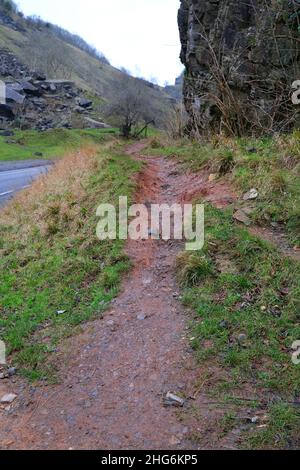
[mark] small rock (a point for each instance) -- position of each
(212, 177)
(242, 338)
(174, 441)
(8, 398)
(248, 210)
(173, 400)
(224, 324)
(93, 124)
(60, 312)
(12, 371)
(285, 291)
(79, 110)
(255, 420)
(141, 317)
(84, 103)
(276, 311)
(250, 195)
(7, 133)
(252, 150)
(240, 216)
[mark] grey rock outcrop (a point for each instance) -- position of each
(34, 102)
(241, 59)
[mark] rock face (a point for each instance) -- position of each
(33, 102)
(241, 59)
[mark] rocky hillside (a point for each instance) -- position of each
(241, 59)
(37, 45)
(33, 102)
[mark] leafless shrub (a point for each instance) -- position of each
(130, 106)
(176, 121)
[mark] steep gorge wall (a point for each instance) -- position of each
(241, 59)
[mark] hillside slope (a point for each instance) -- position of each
(38, 47)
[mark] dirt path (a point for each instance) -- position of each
(117, 372)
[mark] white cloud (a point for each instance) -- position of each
(140, 35)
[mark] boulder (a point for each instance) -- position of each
(14, 96)
(7, 112)
(15, 86)
(7, 133)
(30, 89)
(79, 110)
(240, 216)
(250, 195)
(93, 124)
(38, 76)
(84, 103)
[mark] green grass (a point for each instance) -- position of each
(255, 293)
(271, 165)
(51, 259)
(51, 144)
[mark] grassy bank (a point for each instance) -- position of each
(54, 272)
(246, 299)
(271, 165)
(50, 144)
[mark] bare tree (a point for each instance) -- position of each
(130, 106)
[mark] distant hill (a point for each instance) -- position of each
(61, 55)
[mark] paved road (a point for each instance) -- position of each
(15, 176)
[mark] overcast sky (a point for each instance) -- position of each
(140, 35)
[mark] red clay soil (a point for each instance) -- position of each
(116, 373)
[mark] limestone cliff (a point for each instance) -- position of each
(241, 59)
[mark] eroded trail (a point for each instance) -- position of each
(117, 372)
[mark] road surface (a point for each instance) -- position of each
(15, 176)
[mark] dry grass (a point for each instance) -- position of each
(51, 259)
(192, 268)
(56, 196)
